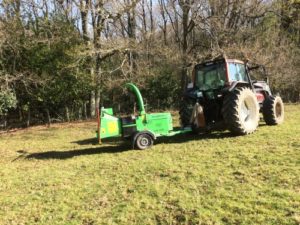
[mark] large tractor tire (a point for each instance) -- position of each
(273, 110)
(240, 111)
(185, 112)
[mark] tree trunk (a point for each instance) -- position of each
(84, 111)
(144, 20)
(184, 77)
(98, 81)
(5, 122)
(151, 17)
(80, 113)
(20, 114)
(92, 104)
(97, 98)
(28, 117)
(48, 117)
(185, 27)
(163, 14)
(84, 4)
(131, 27)
(67, 113)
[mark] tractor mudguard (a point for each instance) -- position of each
(234, 85)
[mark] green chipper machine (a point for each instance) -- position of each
(141, 129)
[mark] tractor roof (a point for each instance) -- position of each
(235, 61)
(219, 60)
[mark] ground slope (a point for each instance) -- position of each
(58, 175)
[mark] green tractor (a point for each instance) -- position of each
(222, 95)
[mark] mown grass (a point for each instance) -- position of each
(59, 175)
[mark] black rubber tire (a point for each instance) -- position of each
(143, 141)
(273, 110)
(240, 111)
(185, 112)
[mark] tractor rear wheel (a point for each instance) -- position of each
(185, 112)
(273, 110)
(240, 111)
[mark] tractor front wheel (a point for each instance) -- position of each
(273, 110)
(143, 141)
(241, 111)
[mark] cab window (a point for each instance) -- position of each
(237, 72)
(210, 76)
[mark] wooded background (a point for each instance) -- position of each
(61, 59)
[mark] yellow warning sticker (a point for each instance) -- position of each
(112, 127)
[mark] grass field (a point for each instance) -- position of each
(59, 175)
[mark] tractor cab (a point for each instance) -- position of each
(219, 74)
(227, 74)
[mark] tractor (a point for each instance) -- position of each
(223, 95)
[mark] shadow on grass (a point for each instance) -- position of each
(94, 141)
(121, 147)
(179, 138)
(90, 141)
(182, 138)
(78, 152)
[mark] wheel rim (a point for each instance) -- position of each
(144, 141)
(248, 113)
(278, 110)
(245, 112)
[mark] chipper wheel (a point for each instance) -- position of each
(273, 110)
(142, 141)
(241, 111)
(185, 111)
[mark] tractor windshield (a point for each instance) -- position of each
(210, 76)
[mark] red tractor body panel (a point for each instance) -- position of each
(260, 97)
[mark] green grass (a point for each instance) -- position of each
(58, 175)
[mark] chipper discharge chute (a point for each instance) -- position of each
(141, 129)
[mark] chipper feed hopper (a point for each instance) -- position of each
(141, 129)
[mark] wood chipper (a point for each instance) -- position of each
(141, 129)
